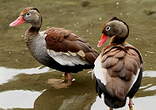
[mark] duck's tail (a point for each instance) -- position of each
(109, 100)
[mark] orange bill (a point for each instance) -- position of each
(103, 39)
(18, 21)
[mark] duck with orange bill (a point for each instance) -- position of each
(118, 68)
(56, 48)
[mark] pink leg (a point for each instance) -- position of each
(58, 83)
(130, 104)
(110, 108)
(68, 78)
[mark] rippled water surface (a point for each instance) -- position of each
(24, 82)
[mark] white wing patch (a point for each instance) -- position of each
(134, 78)
(99, 71)
(68, 58)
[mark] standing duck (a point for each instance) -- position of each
(118, 69)
(56, 48)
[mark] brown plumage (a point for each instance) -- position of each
(121, 62)
(118, 68)
(57, 48)
(61, 40)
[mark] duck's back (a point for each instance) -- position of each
(120, 68)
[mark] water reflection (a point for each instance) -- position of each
(150, 88)
(149, 74)
(18, 99)
(79, 96)
(145, 98)
(8, 73)
(141, 103)
(65, 99)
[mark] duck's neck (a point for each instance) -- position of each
(34, 29)
(120, 38)
(117, 40)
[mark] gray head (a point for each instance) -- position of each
(28, 15)
(115, 29)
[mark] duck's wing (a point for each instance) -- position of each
(118, 68)
(67, 48)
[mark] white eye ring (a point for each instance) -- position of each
(28, 14)
(108, 28)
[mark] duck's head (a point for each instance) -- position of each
(28, 15)
(115, 29)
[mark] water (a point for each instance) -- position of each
(23, 81)
(9, 73)
(38, 98)
(141, 103)
(63, 98)
(18, 99)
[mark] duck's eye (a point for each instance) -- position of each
(107, 28)
(28, 14)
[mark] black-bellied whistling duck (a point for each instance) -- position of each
(118, 69)
(56, 48)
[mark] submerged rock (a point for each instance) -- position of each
(149, 12)
(85, 3)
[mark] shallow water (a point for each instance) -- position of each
(70, 98)
(23, 81)
(141, 103)
(9, 73)
(18, 99)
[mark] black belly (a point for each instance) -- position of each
(110, 101)
(114, 102)
(37, 47)
(50, 62)
(136, 85)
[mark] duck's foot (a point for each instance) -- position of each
(59, 83)
(131, 108)
(131, 104)
(110, 108)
